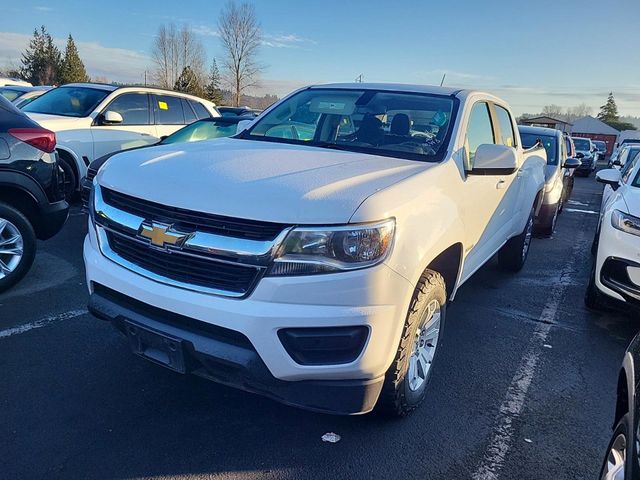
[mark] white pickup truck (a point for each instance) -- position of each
(311, 257)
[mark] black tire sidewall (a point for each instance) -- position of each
(70, 178)
(29, 245)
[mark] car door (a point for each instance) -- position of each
(136, 128)
(169, 114)
(485, 213)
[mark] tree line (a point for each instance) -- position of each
(43, 63)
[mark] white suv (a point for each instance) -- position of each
(616, 267)
(91, 120)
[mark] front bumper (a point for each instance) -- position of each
(227, 357)
(376, 298)
(618, 264)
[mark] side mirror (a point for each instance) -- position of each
(111, 118)
(617, 162)
(572, 163)
(163, 137)
(493, 159)
(579, 155)
(609, 176)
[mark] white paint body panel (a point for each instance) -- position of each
(436, 206)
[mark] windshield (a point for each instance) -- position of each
(201, 130)
(550, 145)
(405, 125)
(582, 144)
(601, 146)
(67, 101)
(10, 94)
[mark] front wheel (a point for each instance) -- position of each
(17, 246)
(618, 463)
(69, 179)
(407, 378)
(514, 253)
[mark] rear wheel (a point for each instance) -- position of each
(406, 381)
(513, 254)
(17, 246)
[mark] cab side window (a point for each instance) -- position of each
(506, 127)
(629, 166)
(201, 111)
(479, 131)
(168, 110)
(134, 108)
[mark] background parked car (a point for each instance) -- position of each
(557, 184)
(21, 95)
(238, 111)
(205, 129)
(32, 202)
(91, 120)
(601, 149)
(13, 81)
(616, 267)
(626, 154)
(622, 461)
(585, 152)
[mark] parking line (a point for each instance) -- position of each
(577, 210)
(43, 322)
(513, 403)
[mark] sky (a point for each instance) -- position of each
(531, 53)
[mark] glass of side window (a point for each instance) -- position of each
(168, 110)
(134, 108)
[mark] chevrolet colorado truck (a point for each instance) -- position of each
(311, 257)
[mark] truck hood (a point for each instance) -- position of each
(57, 123)
(256, 180)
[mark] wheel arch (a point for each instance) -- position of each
(22, 200)
(73, 160)
(448, 263)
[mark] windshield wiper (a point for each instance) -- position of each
(332, 146)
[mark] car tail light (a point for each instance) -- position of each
(40, 138)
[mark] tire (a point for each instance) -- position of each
(70, 179)
(548, 231)
(595, 242)
(402, 391)
(619, 453)
(14, 266)
(593, 299)
(514, 253)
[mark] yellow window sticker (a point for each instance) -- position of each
(163, 105)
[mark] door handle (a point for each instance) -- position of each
(501, 185)
(145, 134)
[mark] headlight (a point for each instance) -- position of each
(625, 222)
(312, 250)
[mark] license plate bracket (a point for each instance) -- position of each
(157, 347)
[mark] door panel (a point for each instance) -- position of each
(136, 129)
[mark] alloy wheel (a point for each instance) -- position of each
(614, 468)
(11, 247)
(424, 348)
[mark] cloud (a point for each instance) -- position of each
(41, 8)
(452, 77)
(205, 30)
(289, 40)
(117, 64)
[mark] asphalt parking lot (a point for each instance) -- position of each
(524, 388)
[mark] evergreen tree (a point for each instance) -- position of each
(72, 67)
(609, 111)
(42, 60)
(188, 83)
(213, 91)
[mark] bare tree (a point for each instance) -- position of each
(241, 38)
(578, 111)
(553, 111)
(173, 50)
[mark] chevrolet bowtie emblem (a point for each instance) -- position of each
(162, 235)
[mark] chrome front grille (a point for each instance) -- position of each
(204, 260)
